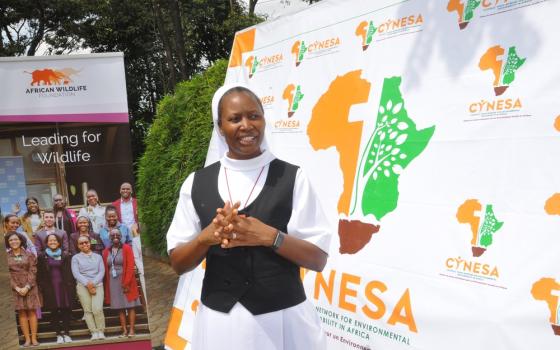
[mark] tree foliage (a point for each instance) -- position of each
(163, 41)
(176, 145)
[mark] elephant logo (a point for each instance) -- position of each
(50, 76)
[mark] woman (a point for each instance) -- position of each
(12, 224)
(94, 211)
(88, 270)
(84, 229)
(23, 271)
(57, 284)
(112, 222)
(121, 288)
(251, 293)
(31, 221)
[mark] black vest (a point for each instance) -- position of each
(261, 280)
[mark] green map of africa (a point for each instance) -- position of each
(370, 175)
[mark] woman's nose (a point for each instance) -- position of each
(245, 123)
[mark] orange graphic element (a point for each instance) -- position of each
(552, 205)
(456, 5)
(243, 42)
(194, 306)
(289, 95)
(490, 61)
(542, 290)
(329, 127)
(172, 338)
(361, 30)
(466, 215)
(557, 123)
(406, 317)
(249, 63)
(51, 76)
(302, 273)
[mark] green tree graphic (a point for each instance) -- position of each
(489, 226)
(371, 30)
(469, 9)
(297, 97)
(302, 50)
(254, 65)
(394, 143)
(513, 63)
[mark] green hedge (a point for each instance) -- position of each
(176, 145)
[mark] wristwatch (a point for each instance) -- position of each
(278, 240)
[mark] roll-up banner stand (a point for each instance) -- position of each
(64, 131)
(431, 132)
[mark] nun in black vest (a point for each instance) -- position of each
(252, 294)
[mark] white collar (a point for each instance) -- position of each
(247, 164)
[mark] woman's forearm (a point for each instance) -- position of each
(302, 253)
(186, 256)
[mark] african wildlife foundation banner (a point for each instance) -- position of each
(64, 131)
(431, 133)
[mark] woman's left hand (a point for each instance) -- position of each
(249, 231)
(125, 289)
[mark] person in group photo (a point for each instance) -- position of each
(65, 219)
(121, 287)
(112, 222)
(89, 271)
(94, 210)
(84, 229)
(40, 238)
(12, 224)
(22, 266)
(257, 221)
(31, 220)
(57, 286)
(127, 213)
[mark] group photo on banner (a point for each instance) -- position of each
(68, 207)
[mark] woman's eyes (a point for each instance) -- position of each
(238, 118)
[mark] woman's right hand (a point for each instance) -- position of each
(220, 227)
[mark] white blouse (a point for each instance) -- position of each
(294, 328)
(307, 222)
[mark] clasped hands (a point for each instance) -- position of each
(231, 229)
(22, 291)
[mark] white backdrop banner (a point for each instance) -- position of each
(431, 132)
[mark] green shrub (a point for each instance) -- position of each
(176, 145)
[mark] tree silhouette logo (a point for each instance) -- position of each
(366, 30)
(503, 69)
(465, 10)
(483, 224)
(294, 95)
(299, 49)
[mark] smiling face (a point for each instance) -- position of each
(115, 236)
(111, 218)
(52, 242)
(48, 218)
(32, 206)
(12, 224)
(83, 225)
(92, 198)
(84, 245)
(14, 242)
(242, 124)
(126, 190)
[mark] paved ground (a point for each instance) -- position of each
(161, 283)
